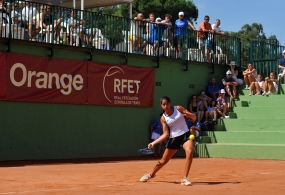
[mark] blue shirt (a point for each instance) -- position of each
(282, 63)
(191, 124)
(180, 27)
(212, 89)
(228, 80)
(157, 127)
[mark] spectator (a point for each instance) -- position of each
(203, 34)
(136, 33)
(203, 101)
(165, 32)
(77, 26)
(213, 89)
(156, 130)
(180, 29)
(281, 65)
(270, 85)
(3, 12)
(149, 25)
(230, 85)
(216, 27)
(234, 71)
(152, 37)
(194, 126)
(223, 104)
(257, 87)
(211, 112)
(28, 13)
(3, 6)
(249, 76)
(193, 106)
(16, 16)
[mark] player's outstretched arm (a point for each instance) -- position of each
(164, 136)
(186, 113)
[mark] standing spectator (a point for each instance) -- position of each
(149, 25)
(164, 27)
(234, 71)
(216, 27)
(270, 85)
(230, 85)
(136, 33)
(180, 29)
(249, 76)
(152, 37)
(257, 87)
(3, 12)
(76, 26)
(213, 89)
(16, 16)
(281, 65)
(28, 13)
(205, 30)
(223, 104)
(211, 112)
(156, 130)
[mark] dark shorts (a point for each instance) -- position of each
(178, 40)
(177, 142)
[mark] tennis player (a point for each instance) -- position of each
(176, 131)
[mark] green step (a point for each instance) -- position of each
(260, 112)
(240, 150)
(203, 139)
(254, 137)
(260, 102)
(253, 125)
(270, 97)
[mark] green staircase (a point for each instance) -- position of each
(256, 129)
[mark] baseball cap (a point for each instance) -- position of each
(223, 91)
(181, 14)
(228, 72)
(157, 19)
(233, 63)
(284, 51)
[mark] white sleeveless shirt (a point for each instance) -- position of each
(176, 123)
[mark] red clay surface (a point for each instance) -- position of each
(121, 176)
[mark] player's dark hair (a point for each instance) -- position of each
(165, 98)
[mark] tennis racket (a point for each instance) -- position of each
(145, 151)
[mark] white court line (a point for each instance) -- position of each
(38, 191)
(105, 186)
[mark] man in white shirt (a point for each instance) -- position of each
(28, 13)
(77, 26)
(15, 15)
(216, 27)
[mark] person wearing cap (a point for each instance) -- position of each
(234, 71)
(249, 75)
(281, 66)
(223, 104)
(230, 85)
(204, 38)
(180, 30)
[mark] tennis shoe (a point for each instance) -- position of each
(185, 181)
(268, 93)
(145, 178)
(227, 117)
(264, 93)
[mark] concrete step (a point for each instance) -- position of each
(253, 125)
(253, 137)
(272, 96)
(240, 150)
(261, 112)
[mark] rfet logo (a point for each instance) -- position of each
(20, 76)
(119, 89)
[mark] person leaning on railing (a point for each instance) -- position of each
(16, 16)
(180, 29)
(28, 12)
(77, 26)
(136, 34)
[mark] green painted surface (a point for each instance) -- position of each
(60, 131)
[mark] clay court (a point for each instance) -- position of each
(121, 176)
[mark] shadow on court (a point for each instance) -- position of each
(202, 183)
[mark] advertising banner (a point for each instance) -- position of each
(120, 85)
(3, 73)
(40, 79)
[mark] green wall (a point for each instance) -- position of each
(60, 131)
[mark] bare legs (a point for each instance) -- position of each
(232, 92)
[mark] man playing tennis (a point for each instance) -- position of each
(178, 136)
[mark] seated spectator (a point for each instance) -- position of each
(213, 89)
(257, 86)
(204, 32)
(230, 85)
(281, 65)
(156, 130)
(223, 104)
(180, 28)
(193, 107)
(234, 71)
(194, 127)
(203, 101)
(211, 112)
(28, 13)
(249, 76)
(77, 26)
(270, 85)
(136, 34)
